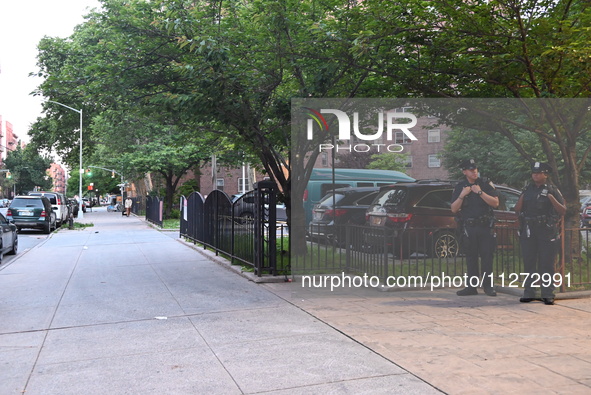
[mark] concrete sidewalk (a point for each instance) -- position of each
(122, 308)
(464, 345)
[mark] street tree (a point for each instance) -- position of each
(28, 170)
(497, 49)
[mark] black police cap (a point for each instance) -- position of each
(539, 167)
(468, 164)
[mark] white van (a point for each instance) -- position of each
(58, 203)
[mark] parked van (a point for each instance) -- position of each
(321, 182)
(58, 202)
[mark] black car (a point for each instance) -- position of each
(244, 207)
(33, 212)
(417, 217)
(9, 242)
(339, 208)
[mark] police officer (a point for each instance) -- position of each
(474, 199)
(540, 207)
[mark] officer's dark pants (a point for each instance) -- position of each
(539, 253)
(480, 241)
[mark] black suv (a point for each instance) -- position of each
(32, 212)
(339, 208)
(417, 217)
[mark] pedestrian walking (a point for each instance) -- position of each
(540, 209)
(128, 204)
(473, 201)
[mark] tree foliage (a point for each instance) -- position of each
(146, 70)
(28, 170)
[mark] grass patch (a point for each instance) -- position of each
(171, 224)
(80, 225)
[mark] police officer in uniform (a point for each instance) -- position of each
(473, 200)
(540, 207)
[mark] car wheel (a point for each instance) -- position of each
(445, 245)
(14, 246)
(47, 228)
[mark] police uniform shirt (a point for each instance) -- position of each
(473, 206)
(536, 202)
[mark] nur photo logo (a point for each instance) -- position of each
(393, 123)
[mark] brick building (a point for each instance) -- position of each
(58, 174)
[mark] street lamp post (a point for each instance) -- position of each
(80, 212)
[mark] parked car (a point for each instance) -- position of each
(339, 208)
(9, 240)
(586, 217)
(321, 182)
(244, 206)
(417, 217)
(34, 212)
(58, 202)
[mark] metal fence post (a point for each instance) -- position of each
(265, 233)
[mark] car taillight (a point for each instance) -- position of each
(399, 217)
(9, 214)
(43, 215)
(306, 195)
(335, 213)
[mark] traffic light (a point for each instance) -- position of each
(88, 173)
(112, 174)
(8, 175)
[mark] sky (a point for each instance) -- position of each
(22, 24)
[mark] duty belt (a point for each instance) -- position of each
(485, 220)
(537, 220)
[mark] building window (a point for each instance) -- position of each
(219, 184)
(434, 136)
(241, 182)
(401, 138)
(434, 161)
(408, 161)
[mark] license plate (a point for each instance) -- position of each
(25, 213)
(377, 221)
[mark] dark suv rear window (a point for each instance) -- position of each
(51, 197)
(436, 199)
(328, 199)
(391, 197)
(26, 203)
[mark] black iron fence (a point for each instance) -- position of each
(154, 207)
(435, 255)
(246, 230)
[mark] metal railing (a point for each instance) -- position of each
(254, 240)
(415, 252)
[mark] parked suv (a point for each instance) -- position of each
(339, 208)
(32, 212)
(58, 202)
(417, 218)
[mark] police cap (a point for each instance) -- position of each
(468, 164)
(539, 167)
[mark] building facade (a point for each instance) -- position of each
(58, 175)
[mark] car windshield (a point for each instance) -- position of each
(26, 203)
(392, 197)
(328, 199)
